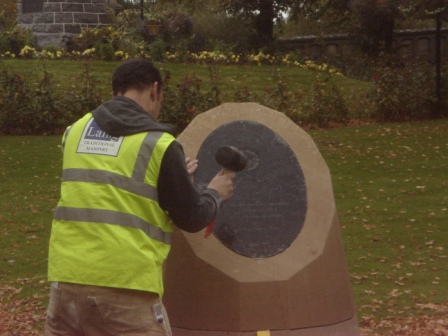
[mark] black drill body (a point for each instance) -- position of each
(231, 158)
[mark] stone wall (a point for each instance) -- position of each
(407, 43)
(51, 20)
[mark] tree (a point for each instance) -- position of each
(262, 13)
(373, 24)
(437, 10)
(8, 5)
(8, 13)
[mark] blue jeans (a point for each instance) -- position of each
(80, 310)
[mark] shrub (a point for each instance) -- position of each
(28, 52)
(179, 23)
(15, 39)
(8, 16)
(245, 95)
(123, 35)
(53, 48)
(157, 50)
(281, 98)
(43, 105)
(4, 43)
(27, 106)
(79, 100)
(402, 91)
(105, 51)
(13, 97)
(228, 30)
(187, 100)
(29, 103)
(320, 105)
(92, 36)
(323, 104)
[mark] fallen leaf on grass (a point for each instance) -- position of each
(22, 317)
(434, 324)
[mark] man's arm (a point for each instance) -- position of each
(189, 210)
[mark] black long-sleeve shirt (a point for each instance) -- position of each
(190, 210)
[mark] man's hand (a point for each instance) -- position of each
(223, 183)
(192, 165)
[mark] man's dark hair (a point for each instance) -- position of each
(136, 74)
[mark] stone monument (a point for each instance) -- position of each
(275, 261)
(52, 20)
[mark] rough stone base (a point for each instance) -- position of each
(43, 40)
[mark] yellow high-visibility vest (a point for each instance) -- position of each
(108, 229)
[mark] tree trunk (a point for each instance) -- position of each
(265, 22)
(388, 33)
(141, 10)
(438, 111)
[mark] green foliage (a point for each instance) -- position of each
(4, 43)
(31, 104)
(310, 94)
(179, 24)
(157, 50)
(12, 104)
(81, 98)
(373, 26)
(28, 52)
(123, 35)
(53, 48)
(105, 51)
(318, 106)
(219, 46)
(13, 40)
(245, 94)
(402, 91)
(228, 30)
(128, 27)
(281, 98)
(324, 103)
(128, 36)
(93, 37)
(26, 107)
(187, 100)
(7, 17)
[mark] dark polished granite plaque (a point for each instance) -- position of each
(32, 6)
(268, 208)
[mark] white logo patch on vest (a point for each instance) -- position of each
(95, 141)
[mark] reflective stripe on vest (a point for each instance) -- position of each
(106, 177)
(112, 217)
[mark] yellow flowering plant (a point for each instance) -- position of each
(28, 52)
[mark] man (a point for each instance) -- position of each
(125, 182)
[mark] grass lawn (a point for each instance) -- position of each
(30, 173)
(390, 183)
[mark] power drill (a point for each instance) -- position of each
(230, 158)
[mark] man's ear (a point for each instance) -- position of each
(154, 91)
